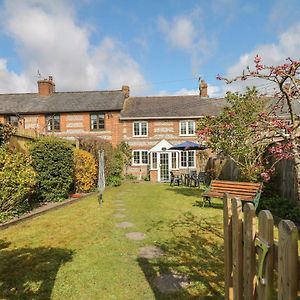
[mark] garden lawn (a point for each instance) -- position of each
(77, 252)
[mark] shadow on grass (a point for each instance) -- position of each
(29, 273)
(194, 250)
(214, 204)
(186, 191)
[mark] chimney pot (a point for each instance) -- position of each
(46, 87)
(126, 91)
(203, 89)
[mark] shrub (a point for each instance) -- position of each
(52, 158)
(294, 214)
(115, 158)
(94, 145)
(85, 171)
(6, 131)
(277, 205)
(18, 180)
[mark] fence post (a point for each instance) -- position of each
(265, 288)
(227, 218)
(249, 251)
(287, 260)
(237, 249)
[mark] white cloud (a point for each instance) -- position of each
(181, 32)
(287, 45)
(49, 39)
(212, 90)
(185, 33)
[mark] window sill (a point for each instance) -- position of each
(140, 136)
(194, 134)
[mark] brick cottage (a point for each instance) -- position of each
(150, 125)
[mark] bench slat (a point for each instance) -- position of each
(236, 183)
(220, 195)
(246, 191)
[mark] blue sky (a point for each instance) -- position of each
(156, 47)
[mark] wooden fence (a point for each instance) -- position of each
(257, 266)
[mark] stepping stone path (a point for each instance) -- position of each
(118, 215)
(124, 225)
(120, 209)
(118, 205)
(168, 283)
(150, 252)
(135, 235)
(118, 201)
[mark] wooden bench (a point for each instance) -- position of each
(245, 191)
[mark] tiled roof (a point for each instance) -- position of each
(171, 107)
(61, 102)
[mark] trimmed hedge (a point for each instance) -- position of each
(18, 181)
(52, 159)
(85, 171)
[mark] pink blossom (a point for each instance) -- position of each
(265, 176)
(257, 59)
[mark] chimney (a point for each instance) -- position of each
(46, 87)
(203, 89)
(126, 91)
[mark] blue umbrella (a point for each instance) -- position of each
(185, 146)
(188, 146)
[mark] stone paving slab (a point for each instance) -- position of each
(119, 215)
(150, 252)
(135, 235)
(169, 283)
(124, 225)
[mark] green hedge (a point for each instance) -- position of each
(18, 181)
(53, 160)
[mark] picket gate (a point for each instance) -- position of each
(258, 267)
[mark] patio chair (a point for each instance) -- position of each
(203, 177)
(175, 179)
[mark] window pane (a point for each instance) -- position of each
(56, 123)
(49, 124)
(191, 127)
(144, 128)
(136, 157)
(13, 120)
(136, 128)
(174, 160)
(93, 122)
(182, 127)
(144, 157)
(101, 121)
(191, 158)
(154, 160)
(183, 159)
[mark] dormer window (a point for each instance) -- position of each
(140, 128)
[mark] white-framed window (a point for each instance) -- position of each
(187, 158)
(139, 157)
(187, 127)
(174, 158)
(154, 160)
(140, 128)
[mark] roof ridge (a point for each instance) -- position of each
(69, 92)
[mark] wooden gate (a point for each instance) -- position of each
(256, 265)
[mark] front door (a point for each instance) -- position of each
(164, 167)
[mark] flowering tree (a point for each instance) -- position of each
(237, 133)
(283, 133)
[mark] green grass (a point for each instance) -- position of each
(76, 252)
